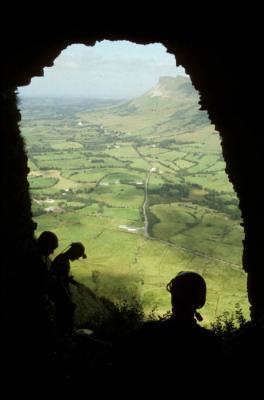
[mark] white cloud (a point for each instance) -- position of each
(109, 69)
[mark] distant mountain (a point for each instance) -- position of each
(171, 105)
(169, 87)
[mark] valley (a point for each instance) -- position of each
(142, 184)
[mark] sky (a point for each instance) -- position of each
(108, 70)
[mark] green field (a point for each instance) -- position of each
(89, 181)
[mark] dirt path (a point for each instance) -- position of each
(196, 253)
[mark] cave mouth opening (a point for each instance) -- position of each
(138, 176)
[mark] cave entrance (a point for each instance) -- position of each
(122, 159)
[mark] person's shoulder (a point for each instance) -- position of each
(58, 259)
(209, 337)
(206, 332)
(144, 331)
(58, 262)
(60, 256)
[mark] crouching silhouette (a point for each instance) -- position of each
(177, 348)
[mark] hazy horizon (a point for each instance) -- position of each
(118, 70)
(69, 97)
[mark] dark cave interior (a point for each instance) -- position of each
(218, 64)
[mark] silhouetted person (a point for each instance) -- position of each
(62, 295)
(47, 242)
(177, 349)
(200, 345)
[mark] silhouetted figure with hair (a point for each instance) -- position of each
(175, 349)
(60, 268)
(47, 242)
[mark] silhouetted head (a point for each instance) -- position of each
(188, 292)
(47, 242)
(76, 251)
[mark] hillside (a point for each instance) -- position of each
(171, 104)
